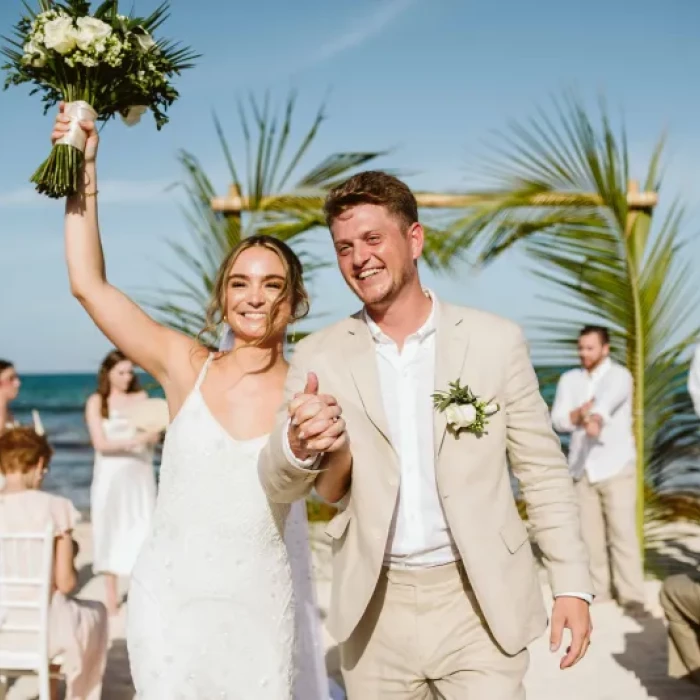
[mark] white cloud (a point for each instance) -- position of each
(361, 30)
(111, 192)
(22, 197)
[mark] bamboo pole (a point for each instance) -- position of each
(234, 203)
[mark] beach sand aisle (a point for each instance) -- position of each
(626, 660)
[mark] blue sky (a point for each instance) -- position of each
(430, 78)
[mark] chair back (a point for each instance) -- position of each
(26, 566)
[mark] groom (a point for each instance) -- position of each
(434, 582)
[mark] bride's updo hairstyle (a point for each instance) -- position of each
(293, 289)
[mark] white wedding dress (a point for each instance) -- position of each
(211, 608)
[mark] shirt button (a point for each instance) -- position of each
(392, 481)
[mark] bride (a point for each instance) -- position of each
(218, 607)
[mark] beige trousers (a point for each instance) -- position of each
(608, 523)
(680, 599)
(423, 636)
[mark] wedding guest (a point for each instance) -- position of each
(9, 390)
(680, 599)
(680, 594)
(123, 492)
(77, 628)
(594, 404)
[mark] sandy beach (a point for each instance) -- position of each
(626, 661)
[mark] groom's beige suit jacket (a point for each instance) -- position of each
(490, 355)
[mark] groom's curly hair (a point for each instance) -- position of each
(372, 187)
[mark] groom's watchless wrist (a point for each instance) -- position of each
(588, 597)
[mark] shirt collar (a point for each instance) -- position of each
(429, 327)
(601, 369)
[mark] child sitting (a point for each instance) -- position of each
(77, 629)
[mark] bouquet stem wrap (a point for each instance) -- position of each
(79, 111)
(59, 175)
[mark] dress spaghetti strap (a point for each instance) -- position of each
(203, 372)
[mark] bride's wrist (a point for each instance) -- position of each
(88, 178)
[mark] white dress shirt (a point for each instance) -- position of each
(609, 385)
(419, 534)
(694, 380)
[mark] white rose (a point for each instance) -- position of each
(34, 55)
(460, 416)
(145, 41)
(91, 31)
(491, 408)
(133, 114)
(60, 35)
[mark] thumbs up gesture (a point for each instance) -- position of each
(316, 425)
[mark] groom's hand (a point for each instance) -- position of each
(315, 424)
(571, 613)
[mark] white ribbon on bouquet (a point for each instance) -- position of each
(78, 111)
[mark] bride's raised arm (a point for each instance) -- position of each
(150, 345)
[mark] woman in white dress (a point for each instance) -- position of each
(9, 391)
(211, 611)
(123, 493)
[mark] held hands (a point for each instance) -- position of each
(316, 425)
(62, 126)
(573, 614)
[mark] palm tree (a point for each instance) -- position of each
(275, 206)
(561, 193)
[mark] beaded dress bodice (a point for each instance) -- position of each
(211, 609)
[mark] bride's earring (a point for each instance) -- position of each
(225, 336)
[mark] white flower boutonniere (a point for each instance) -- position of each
(463, 409)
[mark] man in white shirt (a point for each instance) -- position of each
(594, 404)
(434, 583)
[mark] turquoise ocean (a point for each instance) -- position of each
(60, 400)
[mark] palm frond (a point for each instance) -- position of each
(603, 261)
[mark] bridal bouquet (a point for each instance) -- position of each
(101, 64)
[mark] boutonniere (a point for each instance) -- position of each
(463, 409)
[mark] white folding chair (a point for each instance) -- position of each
(26, 563)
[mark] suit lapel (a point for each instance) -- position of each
(363, 367)
(452, 343)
